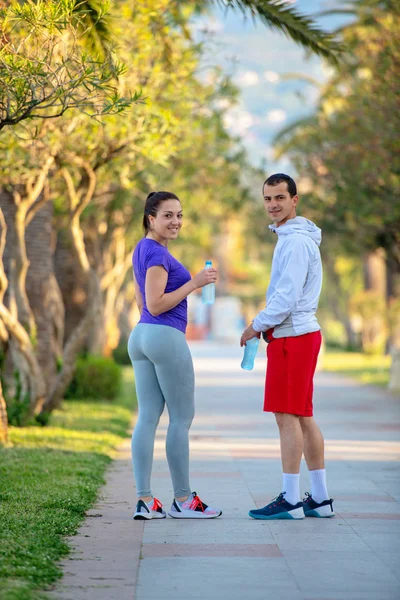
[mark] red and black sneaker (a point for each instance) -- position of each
(193, 508)
(151, 510)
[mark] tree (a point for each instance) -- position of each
(44, 68)
(44, 71)
(277, 15)
(349, 148)
(95, 172)
(178, 140)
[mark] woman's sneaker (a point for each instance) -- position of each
(153, 510)
(193, 508)
(279, 508)
(318, 509)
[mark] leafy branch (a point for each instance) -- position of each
(45, 70)
(286, 19)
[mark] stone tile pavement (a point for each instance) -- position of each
(235, 465)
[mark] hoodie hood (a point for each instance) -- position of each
(299, 225)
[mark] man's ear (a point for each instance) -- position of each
(295, 200)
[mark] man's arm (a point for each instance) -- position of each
(294, 269)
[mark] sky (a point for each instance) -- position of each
(260, 61)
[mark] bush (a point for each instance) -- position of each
(17, 405)
(17, 411)
(95, 377)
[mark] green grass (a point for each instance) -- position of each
(49, 477)
(362, 367)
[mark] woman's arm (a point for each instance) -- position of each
(158, 301)
(138, 295)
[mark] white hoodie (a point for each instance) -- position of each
(296, 280)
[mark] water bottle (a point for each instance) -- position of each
(250, 351)
(208, 291)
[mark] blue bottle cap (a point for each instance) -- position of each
(208, 263)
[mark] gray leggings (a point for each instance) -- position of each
(163, 375)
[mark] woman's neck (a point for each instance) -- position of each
(153, 236)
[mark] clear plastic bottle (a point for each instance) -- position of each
(208, 291)
(250, 352)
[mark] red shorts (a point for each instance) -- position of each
(290, 373)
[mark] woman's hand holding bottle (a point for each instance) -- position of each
(205, 277)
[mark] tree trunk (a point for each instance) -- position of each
(393, 304)
(78, 201)
(114, 304)
(3, 330)
(21, 356)
(20, 207)
(352, 341)
(97, 336)
(114, 262)
(129, 315)
(3, 418)
(393, 300)
(25, 315)
(71, 282)
(25, 358)
(113, 307)
(375, 272)
(44, 294)
(73, 346)
(375, 282)
(391, 274)
(15, 254)
(338, 303)
(394, 380)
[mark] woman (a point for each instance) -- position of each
(162, 361)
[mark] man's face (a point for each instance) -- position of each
(280, 206)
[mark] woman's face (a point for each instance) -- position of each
(168, 220)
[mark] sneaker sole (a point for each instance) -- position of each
(296, 514)
(148, 517)
(324, 512)
(193, 515)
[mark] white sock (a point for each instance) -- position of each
(319, 491)
(291, 487)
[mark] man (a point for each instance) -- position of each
(289, 325)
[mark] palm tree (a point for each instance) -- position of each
(276, 14)
(284, 18)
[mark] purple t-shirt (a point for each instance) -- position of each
(149, 253)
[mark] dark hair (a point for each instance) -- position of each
(279, 178)
(151, 207)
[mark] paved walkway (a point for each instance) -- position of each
(235, 465)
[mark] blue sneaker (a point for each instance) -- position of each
(318, 509)
(279, 509)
